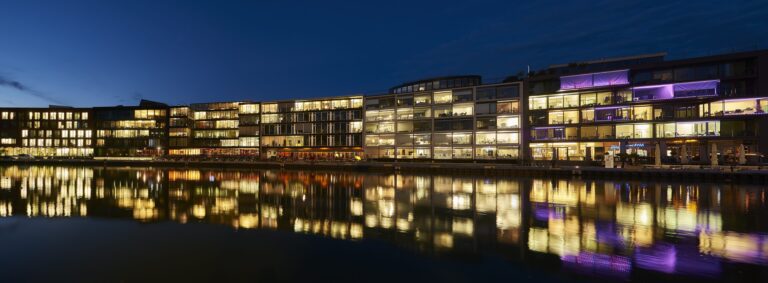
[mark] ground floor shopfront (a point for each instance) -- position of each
(214, 152)
(307, 153)
(489, 152)
(644, 151)
(48, 151)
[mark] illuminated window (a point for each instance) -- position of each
(443, 97)
(482, 138)
(537, 103)
(463, 109)
(462, 138)
(508, 122)
(249, 141)
(356, 127)
(507, 137)
(462, 153)
(269, 108)
(443, 153)
(249, 109)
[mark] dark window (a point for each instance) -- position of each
(508, 92)
(422, 126)
(443, 125)
(485, 108)
(486, 123)
(463, 124)
(486, 93)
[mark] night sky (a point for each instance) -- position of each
(98, 53)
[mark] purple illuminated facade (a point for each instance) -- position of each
(584, 112)
(603, 79)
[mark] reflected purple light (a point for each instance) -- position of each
(591, 262)
(660, 258)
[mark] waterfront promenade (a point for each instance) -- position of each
(698, 173)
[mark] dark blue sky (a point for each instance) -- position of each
(95, 53)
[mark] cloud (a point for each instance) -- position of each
(14, 84)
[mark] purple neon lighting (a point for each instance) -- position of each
(576, 82)
(594, 80)
(678, 90)
(610, 107)
(653, 93)
(611, 78)
(692, 89)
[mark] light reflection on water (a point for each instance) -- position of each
(597, 228)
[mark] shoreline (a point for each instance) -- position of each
(722, 174)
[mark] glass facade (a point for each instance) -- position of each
(47, 132)
(681, 110)
(478, 123)
(320, 129)
(131, 131)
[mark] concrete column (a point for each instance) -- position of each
(704, 152)
(623, 147)
(663, 148)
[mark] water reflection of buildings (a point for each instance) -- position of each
(599, 226)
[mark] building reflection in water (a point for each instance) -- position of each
(595, 227)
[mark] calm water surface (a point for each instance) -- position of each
(144, 224)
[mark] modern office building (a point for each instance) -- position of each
(685, 108)
(56, 131)
(577, 112)
(249, 114)
(180, 131)
(329, 128)
(450, 118)
(214, 129)
(131, 131)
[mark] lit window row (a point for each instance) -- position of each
(56, 142)
(56, 124)
(249, 108)
(56, 133)
(248, 141)
(7, 115)
(215, 134)
(328, 104)
(122, 133)
(57, 115)
(148, 113)
(130, 124)
(636, 131)
(440, 139)
(212, 115)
